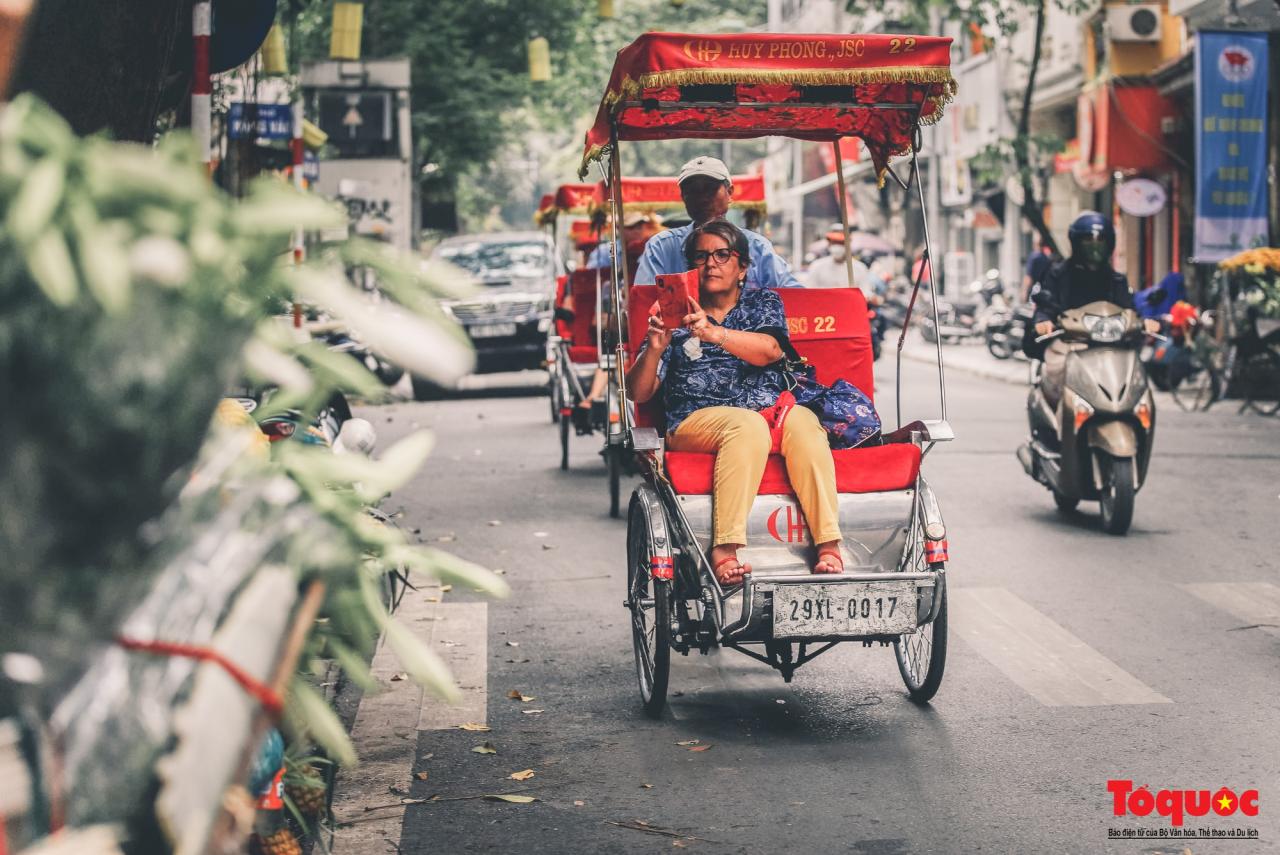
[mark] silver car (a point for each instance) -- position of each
(509, 319)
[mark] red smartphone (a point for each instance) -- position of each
(674, 291)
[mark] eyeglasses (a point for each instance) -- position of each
(722, 256)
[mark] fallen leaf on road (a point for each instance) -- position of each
(699, 747)
(444, 589)
(532, 712)
(471, 725)
(499, 572)
(426, 757)
(646, 786)
(578, 803)
(513, 644)
(396, 678)
(445, 538)
(515, 800)
(522, 775)
(539, 534)
(432, 599)
(422, 776)
(689, 742)
(517, 695)
(487, 748)
(548, 546)
(679, 844)
(495, 522)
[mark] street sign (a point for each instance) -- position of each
(1140, 197)
(274, 121)
(355, 116)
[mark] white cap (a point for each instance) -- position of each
(712, 167)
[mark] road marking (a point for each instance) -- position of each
(1043, 658)
(459, 633)
(1255, 603)
(388, 721)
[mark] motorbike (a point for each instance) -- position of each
(1096, 445)
(964, 317)
(1004, 329)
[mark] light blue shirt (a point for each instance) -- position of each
(600, 256)
(664, 253)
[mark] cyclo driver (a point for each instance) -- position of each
(1085, 277)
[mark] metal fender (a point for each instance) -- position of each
(1116, 438)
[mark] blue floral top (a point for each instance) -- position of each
(718, 378)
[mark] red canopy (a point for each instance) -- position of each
(813, 87)
(546, 210)
(584, 235)
(574, 198)
(663, 194)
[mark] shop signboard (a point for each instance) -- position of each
(1231, 143)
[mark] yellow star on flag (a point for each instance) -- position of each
(1225, 802)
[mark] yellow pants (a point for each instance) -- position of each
(739, 439)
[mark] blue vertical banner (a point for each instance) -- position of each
(1231, 143)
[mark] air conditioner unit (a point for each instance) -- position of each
(1137, 22)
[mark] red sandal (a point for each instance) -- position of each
(746, 568)
(829, 554)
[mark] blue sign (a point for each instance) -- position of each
(1231, 143)
(310, 166)
(275, 121)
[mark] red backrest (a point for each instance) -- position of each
(585, 284)
(562, 290)
(639, 300)
(828, 326)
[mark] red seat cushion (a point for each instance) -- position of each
(873, 469)
(585, 285)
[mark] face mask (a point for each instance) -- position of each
(1093, 253)
(837, 252)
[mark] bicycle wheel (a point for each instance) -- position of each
(1261, 382)
(650, 602)
(1199, 386)
(922, 655)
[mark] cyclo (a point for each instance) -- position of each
(577, 344)
(880, 88)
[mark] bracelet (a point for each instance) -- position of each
(724, 337)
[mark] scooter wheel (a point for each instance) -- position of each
(1118, 491)
(1066, 504)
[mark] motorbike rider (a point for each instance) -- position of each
(1085, 277)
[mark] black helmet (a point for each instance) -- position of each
(1093, 225)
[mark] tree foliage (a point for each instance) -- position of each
(475, 111)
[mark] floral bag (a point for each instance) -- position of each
(843, 409)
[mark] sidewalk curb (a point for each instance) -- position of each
(954, 365)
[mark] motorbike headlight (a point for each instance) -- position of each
(1106, 330)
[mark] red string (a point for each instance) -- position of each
(258, 690)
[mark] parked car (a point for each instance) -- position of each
(508, 321)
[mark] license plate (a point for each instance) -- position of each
(853, 608)
(491, 330)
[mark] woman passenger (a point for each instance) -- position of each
(711, 398)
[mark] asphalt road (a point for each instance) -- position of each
(1075, 658)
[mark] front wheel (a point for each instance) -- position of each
(998, 346)
(614, 455)
(1065, 503)
(1118, 491)
(922, 655)
(1262, 382)
(1195, 385)
(650, 602)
